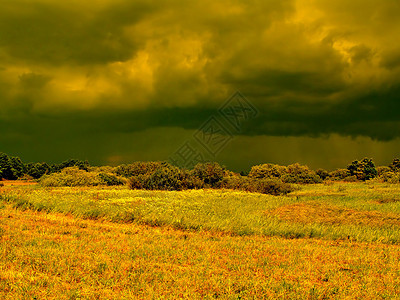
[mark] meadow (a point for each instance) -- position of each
(322, 241)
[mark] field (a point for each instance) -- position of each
(325, 241)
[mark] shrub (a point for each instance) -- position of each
(254, 185)
(267, 171)
(363, 170)
(339, 174)
(188, 181)
(323, 174)
(395, 165)
(11, 168)
(37, 170)
(297, 173)
(73, 176)
(210, 173)
(138, 168)
(166, 177)
(81, 164)
(390, 177)
(383, 170)
(111, 179)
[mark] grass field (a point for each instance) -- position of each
(327, 241)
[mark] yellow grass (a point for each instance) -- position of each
(54, 255)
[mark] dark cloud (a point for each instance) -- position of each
(101, 78)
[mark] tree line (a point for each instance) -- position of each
(268, 178)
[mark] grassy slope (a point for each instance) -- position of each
(53, 255)
(360, 212)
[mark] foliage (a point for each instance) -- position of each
(395, 165)
(11, 168)
(390, 177)
(363, 170)
(297, 173)
(81, 164)
(166, 177)
(73, 176)
(339, 174)
(210, 173)
(37, 170)
(111, 179)
(137, 168)
(267, 171)
(323, 174)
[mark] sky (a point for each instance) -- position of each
(117, 81)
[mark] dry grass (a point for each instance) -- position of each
(323, 213)
(54, 256)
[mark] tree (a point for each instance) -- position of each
(395, 165)
(210, 173)
(11, 168)
(363, 170)
(37, 170)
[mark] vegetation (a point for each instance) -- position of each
(329, 241)
(152, 230)
(73, 176)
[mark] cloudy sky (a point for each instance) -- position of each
(115, 81)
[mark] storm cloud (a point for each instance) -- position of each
(116, 81)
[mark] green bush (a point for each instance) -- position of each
(111, 179)
(339, 174)
(210, 173)
(363, 170)
(37, 170)
(165, 177)
(382, 170)
(254, 185)
(395, 165)
(390, 177)
(11, 168)
(297, 173)
(137, 168)
(73, 176)
(323, 174)
(267, 171)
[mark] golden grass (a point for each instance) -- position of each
(54, 256)
(323, 213)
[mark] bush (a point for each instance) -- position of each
(210, 173)
(323, 174)
(37, 170)
(297, 173)
(267, 171)
(73, 176)
(339, 174)
(254, 185)
(111, 179)
(188, 181)
(383, 170)
(395, 165)
(390, 177)
(138, 168)
(11, 168)
(81, 164)
(363, 170)
(165, 177)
